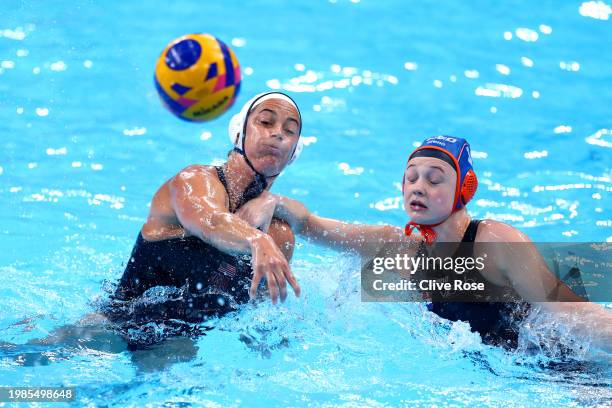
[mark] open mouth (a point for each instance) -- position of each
(416, 205)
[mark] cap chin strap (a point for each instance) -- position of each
(253, 190)
(426, 230)
(262, 177)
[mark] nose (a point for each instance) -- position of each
(416, 188)
(277, 131)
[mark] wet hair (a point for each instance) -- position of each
(437, 154)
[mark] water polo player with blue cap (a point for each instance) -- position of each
(438, 182)
(456, 153)
(196, 238)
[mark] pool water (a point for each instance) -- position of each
(86, 142)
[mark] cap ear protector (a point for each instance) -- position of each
(468, 187)
(455, 151)
(237, 124)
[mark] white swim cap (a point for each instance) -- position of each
(237, 124)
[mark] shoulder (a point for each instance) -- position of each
(496, 231)
(196, 176)
(195, 171)
(198, 182)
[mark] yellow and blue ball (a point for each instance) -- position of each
(197, 77)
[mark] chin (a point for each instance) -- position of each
(423, 218)
(269, 167)
(272, 173)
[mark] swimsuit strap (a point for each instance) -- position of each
(221, 176)
(253, 190)
(470, 232)
(223, 181)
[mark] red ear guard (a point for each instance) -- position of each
(469, 186)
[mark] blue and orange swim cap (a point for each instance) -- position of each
(456, 152)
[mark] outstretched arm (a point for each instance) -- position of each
(366, 240)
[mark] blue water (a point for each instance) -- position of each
(86, 142)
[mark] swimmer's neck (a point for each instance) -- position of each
(453, 228)
(239, 175)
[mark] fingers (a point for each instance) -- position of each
(293, 282)
(274, 278)
(282, 282)
(272, 287)
(281, 270)
(277, 284)
(270, 262)
(257, 275)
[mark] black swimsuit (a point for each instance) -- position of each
(496, 322)
(211, 282)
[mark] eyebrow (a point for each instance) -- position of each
(274, 113)
(267, 110)
(433, 167)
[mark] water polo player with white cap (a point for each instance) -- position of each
(438, 182)
(193, 237)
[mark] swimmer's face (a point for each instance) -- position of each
(272, 134)
(429, 190)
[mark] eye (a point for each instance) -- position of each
(291, 132)
(412, 177)
(435, 180)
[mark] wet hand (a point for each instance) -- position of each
(269, 262)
